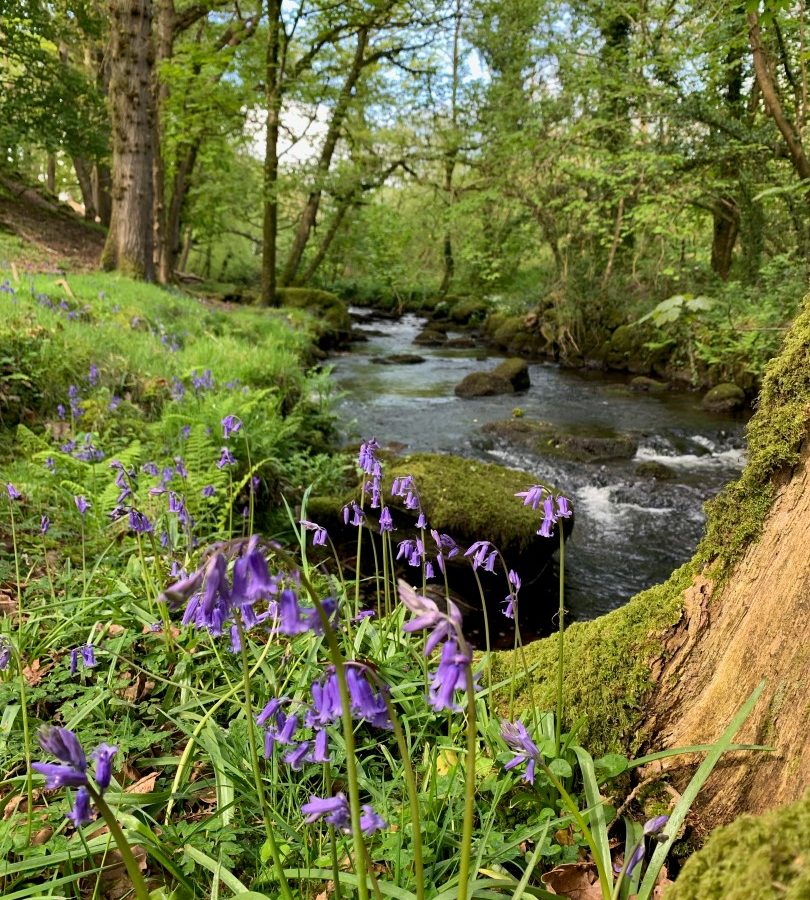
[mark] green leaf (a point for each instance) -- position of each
(561, 768)
(611, 765)
(596, 814)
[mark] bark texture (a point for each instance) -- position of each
(129, 243)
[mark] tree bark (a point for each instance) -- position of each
(273, 98)
(164, 48)
(129, 246)
(102, 193)
(84, 175)
(310, 212)
(726, 217)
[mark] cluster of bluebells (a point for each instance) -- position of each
(335, 811)
(71, 770)
(526, 751)
(445, 629)
(84, 450)
(554, 507)
(204, 382)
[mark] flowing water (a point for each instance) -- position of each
(631, 530)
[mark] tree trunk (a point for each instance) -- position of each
(326, 241)
(84, 175)
(164, 48)
(310, 213)
(102, 193)
(129, 243)
(174, 219)
(726, 216)
(50, 178)
(273, 97)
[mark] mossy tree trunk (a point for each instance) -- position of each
(673, 666)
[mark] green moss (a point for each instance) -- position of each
(766, 857)
(775, 434)
(516, 371)
(332, 311)
(506, 332)
(607, 667)
(467, 311)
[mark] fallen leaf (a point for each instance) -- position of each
(143, 785)
(577, 881)
(36, 672)
(114, 630)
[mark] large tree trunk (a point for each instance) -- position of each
(726, 216)
(164, 47)
(84, 174)
(102, 193)
(130, 238)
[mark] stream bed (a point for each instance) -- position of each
(631, 529)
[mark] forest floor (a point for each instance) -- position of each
(37, 232)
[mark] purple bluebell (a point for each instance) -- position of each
(367, 459)
(366, 702)
(226, 459)
(533, 496)
(450, 676)
(76, 409)
(563, 507)
(442, 626)
(202, 382)
(139, 523)
(334, 810)
(13, 493)
(178, 389)
(85, 653)
(5, 653)
(446, 548)
(478, 553)
(102, 756)
(320, 749)
(517, 739)
(93, 376)
(230, 425)
(50, 464)
(114, 403)
(60, 411)
(180, 467)
(652, 828)
(269, 710)
(421, 521)
(352, 510)
(81, 504)
(81, 814)
(68, 447)
(295, 620)
(209, 490)
(149, 468)
(371, 821)
(320, 537)
(296, 757)
(514, 581)
(386, 522)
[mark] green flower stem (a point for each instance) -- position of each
(348, 739)
(29, 787)
(413, 795)
(333, 850)
(469, 792)
(488, 655)
(561, 651)
(257, 772)
(128, 857)
(605, 879)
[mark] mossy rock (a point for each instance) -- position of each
(656, 470)
(333, 322)
(546, 439)
(467, 312)
(507, 331)
(483, 384)
(765, 857)
(725, 397)
(516, 371)
(626, 350)
(430, 337)
(643, 384)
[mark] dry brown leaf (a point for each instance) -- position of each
(143, 785)
(577, 881)
(36, 672)
(115, 879)
(19, 803)
(42, 836)
(114, 630)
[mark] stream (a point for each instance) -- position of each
(631, 529)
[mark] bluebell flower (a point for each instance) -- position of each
(514, 588)
(450, 676)
(226, 458)
(81, 504)
(320, 537)
(209, 490)
(353, 510)
(296, 757)
(13, 493)
(371, 821)
(517, 739)
(230, 425)
(334, 810)
(442, 626)
(5, 653)
(386, 522)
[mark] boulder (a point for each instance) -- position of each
(656, 470)
(331, 314)
(545, 439)
(483, 384)
(467, 311)
(643, 384)
(398, 359)
(726, 397)
(430, 337)
(515, 371)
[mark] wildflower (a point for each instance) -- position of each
(114, 403)
(93, 375)
(320, 537)
(139, 523)
(443, 626)
(149, 468)
(371, 821)
(81, 504)
(367, 459)
(60, 410)
(294, 620)
(185, 431)
(652, 827)
(445, 546)
(230, 425)
(421, 520)
(334, 810)
(533, 496)
(86, 653)
(514, 581)
(5, 653)
(518, 740)
(296, 758)
(50, 465)
(178, 389)
(226, 459)
(366, 702)
(386, 522)
(450, 676)
(13, 493)
(478, 551)
(209, 490)
(320, 751)
(72, 769)
(180, 467)
(353, 510)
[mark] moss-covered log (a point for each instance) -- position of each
(672, 667)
